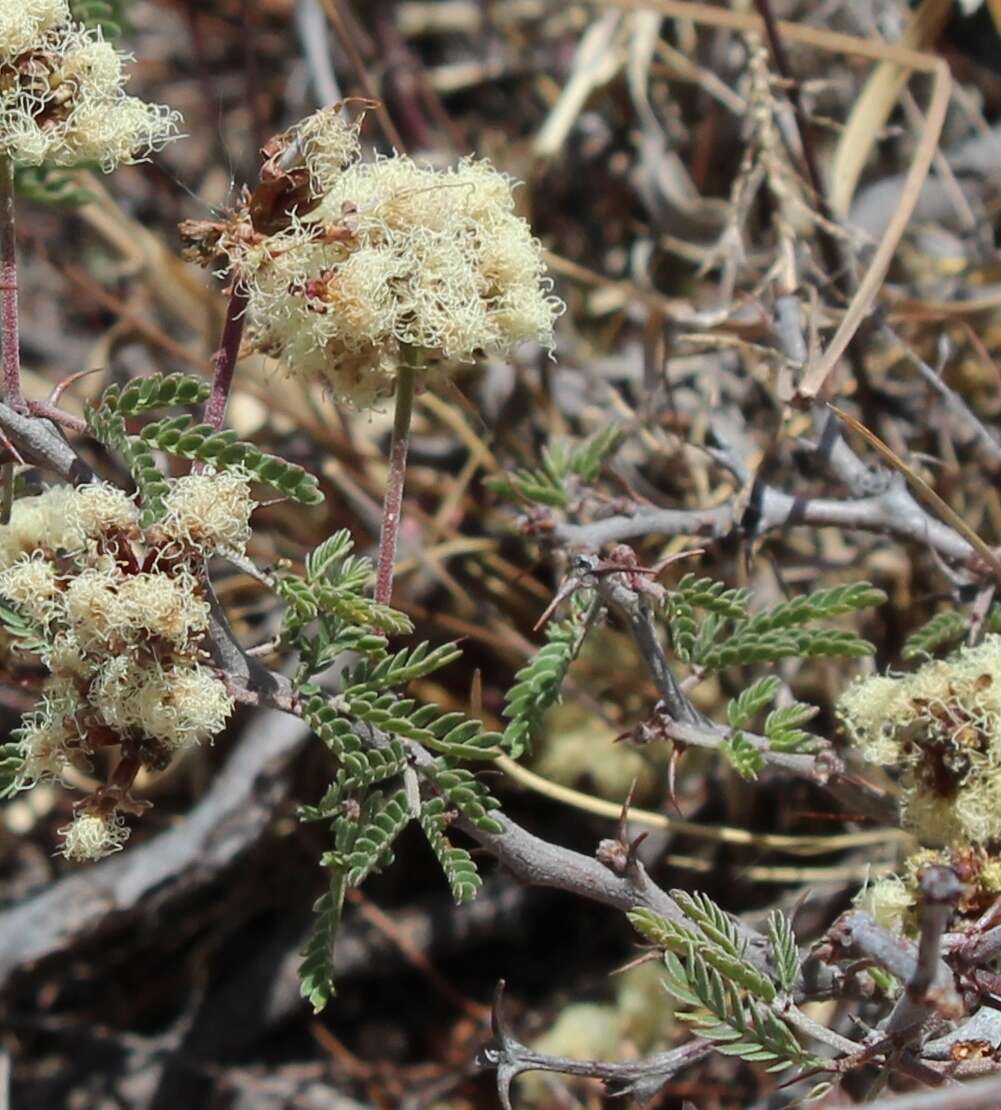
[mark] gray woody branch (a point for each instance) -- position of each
(640, 1079)
(880, 503)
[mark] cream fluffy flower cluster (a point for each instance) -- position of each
(941, 725)
(62, 98)
(391, 259)
(120, 617)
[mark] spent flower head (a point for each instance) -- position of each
(941, 725)
(62, 93)
(356, 266)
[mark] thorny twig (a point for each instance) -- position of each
(640, 1079)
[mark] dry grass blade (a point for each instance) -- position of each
(878, 99)
(721, 834)
(924, 154)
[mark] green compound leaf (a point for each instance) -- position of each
(181, 436)
(711, 596)
(741, 710)
(54, 187)
(451, 734)
(833, 602)
(330, 725)
(742, 756)
(11, 766)
(404, 666)
(783, 731)
(587, 458)
(327, 557)
(785, 950)
(739, 1025)
(562, 460)
(28, 636)
(379, 824)
(157, 391)
(749, 645)
(457, 864)
(728, 1001)
(713, 920)
(537, 685)
(310, 600)
(108, 427)
(728, 636)
(108, 16)
(943, 630)
(465, 791)
(316, 970)
(719, 944)
(360, 769)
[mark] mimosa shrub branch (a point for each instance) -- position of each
(371, 279)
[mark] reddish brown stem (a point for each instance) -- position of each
(224, 360)
(8, 290)
(393, 502)
(52, 412)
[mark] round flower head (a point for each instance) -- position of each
(92, 836)
(182, 705)
(101, 508)
(62, 98)
(44, 735)
(208, 511)
(45, 522)
(389, 260)
(941, 725)
(23, 22)
(171, 608)
(32, 585)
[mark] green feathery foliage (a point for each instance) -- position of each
(739, 1024)
(943, 630)
(742, 756)
(27, 636)
(537, 685)
(328, 612)
(181, 436)
(785, 951)
(727, 999)
(106, 423)
(316, 969)
(370, 728)
(11, 765)
(51, 186)
(713, 598)
(379, 820)
(156, 391)
(108, 427)
(465, 791)
(783, 731)
(741, 710)
(565, 467)
(728, 636)
(107, 15)
(457, 864)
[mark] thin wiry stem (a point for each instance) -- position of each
(224, 360)
(9, 339)
(8, 290)
(406, 382)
